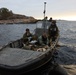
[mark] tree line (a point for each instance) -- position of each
(5, 13)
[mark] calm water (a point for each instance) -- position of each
(67, 51)
(12, 32)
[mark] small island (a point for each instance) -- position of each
(8, 17)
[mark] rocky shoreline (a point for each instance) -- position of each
(8, 17)
(18, 21)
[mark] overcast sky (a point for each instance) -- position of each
(57, 9)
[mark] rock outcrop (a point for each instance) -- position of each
(8, 17)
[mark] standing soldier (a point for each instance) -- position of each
(53, 30)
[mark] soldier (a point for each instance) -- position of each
(53, 30)
(27, 36)
(43, 39)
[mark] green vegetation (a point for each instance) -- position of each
(5, 13)
(8, 17)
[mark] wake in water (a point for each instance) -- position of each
(66, 55)
(67, 58)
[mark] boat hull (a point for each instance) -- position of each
(27, 67)
(22, 69)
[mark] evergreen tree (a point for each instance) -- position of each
(5, 13)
